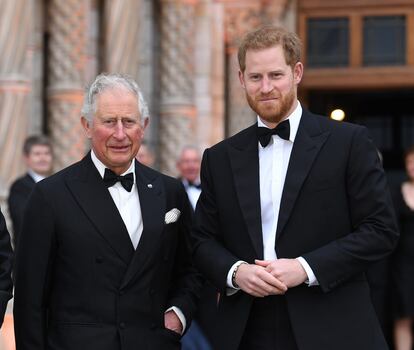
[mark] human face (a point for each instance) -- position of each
(409, 166)
(189, 165)
(270, 84)
(116, 131)
(40, 159)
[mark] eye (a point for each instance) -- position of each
(254, 77)
(109, 122)
(275, 75)
(129, 122)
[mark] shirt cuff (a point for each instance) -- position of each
(231, 288)
(312, 281)
(180, 316)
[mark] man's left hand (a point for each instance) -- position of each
(288, 271)
(172, 322)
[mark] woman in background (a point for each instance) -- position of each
(403, 266)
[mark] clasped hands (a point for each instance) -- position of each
(270, 277)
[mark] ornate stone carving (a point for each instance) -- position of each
(122, 27)
(66, 73)
(14, 88)
(177, 80)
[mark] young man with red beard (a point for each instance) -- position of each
(293, 210)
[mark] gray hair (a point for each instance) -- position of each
(105, 81)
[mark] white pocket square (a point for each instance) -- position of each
(172, 216)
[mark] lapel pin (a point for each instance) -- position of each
(149, 185)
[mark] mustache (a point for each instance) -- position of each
(267, 96)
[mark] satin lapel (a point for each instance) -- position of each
(244, 159)
(308, 143)
(95, 200)
(152, 201)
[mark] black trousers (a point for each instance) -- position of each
(268, 326)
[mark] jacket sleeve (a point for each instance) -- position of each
(374, 230)
(206, 232)
(6, 263)
(32, 272)
(187, 282)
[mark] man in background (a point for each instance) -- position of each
(146, 155)
(188, 166)
(200, 336)
(38, 157)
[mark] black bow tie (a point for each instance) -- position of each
(265, 134)
(194, 184)
(110, 179)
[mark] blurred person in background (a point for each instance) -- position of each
(146, 155)
(199, 336)
(188, 166)
(403, 260)
(38, 157)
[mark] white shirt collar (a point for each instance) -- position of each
(35, 176)
(294, 119)
(101, 166)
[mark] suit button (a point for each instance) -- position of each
(99, 260)
(153, 326)
(152, 291)
(121, 292)
(122, 325)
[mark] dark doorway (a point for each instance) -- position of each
(388, 115)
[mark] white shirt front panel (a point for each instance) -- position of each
(273, 165)
(126, 202)
(35, 176)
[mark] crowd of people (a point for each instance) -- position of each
(282, 237)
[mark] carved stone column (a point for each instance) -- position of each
(121, 27)
(239, 19)
(66, 78)
(14, 87)
(177, 111)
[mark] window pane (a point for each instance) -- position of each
(384, 40)
(328, 42)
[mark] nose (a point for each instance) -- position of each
(119, 132)
(266, 85)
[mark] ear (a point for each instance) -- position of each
(298, 72)
(241, 78)
(146, 122)
(86, 126)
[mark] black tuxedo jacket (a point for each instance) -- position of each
(79, 282)
(335, 212)
(18, 197)
(6, 263)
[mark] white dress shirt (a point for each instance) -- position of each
(129, 208)
(127, 203)
(35, 176)
(193, 193)
(273, 165)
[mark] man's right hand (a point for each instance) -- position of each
(256, 281)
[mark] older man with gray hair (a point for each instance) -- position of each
(103, 261)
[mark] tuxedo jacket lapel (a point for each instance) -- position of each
(152, 201)
(308, 142)
(244, 160)
(93, 197)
